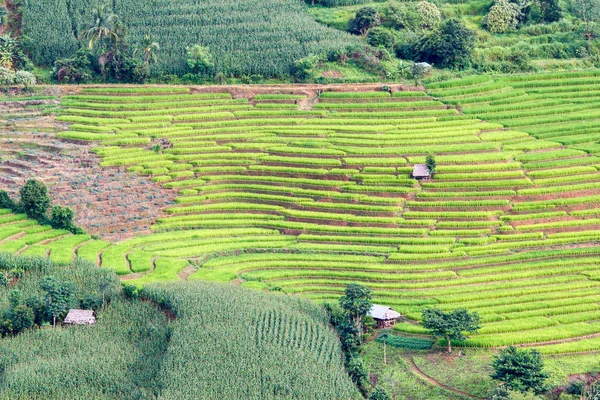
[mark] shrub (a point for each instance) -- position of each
(7, 77)
(502, 17)
(449, 46)
(76, 69)
(380, 37)
(25, 78)
(6, 201)
(62, 218)
(35, 200)
(199, 59)
(3, 280)
(305, 67)
(429, 15)
(400, 17)
(365, 19)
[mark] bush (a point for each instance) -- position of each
(91, 302)
(130, 292)
(21, 317)
(6, 201)
(62, 218)
(25, 78)
(398, 16)
(449, 46)
(380, 37)
(305, 67)
(379, 394)
(365, 19)
(3, 280)
(502, 17)
(199, 59)
(429, 15)
(7, 77)
(35, 200)
(77, 69)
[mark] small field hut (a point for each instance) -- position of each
(421, 171)
(385, 316)
(80, 317)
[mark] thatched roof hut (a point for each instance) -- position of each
(421, 171)
(384, 315)
(80, 317)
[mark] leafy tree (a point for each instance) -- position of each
(76, 69)
(21, 318)
(58, 295)
(103, 26)
(12, 55)
(551, 11)
(6, 201)
(379, 394)
(430, 162)
(520, 370)
(589, 12)
(365, 19)
(62, 218)
(305, 67)
(429, 14)
(356, 301)
(148, 49)
(357, 371)
(450, 325)
(502, 17)
(35, 200)
(199, 59)
(449, 46)
(3, 280)
(398, 16)
(381, 37)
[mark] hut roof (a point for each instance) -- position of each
(421, 171)
(383, 312)
(80, 317)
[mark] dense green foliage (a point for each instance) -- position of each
(34, 199)
(520, 370)
(276, 346)
(245, 38)
(450, 325)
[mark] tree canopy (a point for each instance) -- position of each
(520, 370)
(450, 325)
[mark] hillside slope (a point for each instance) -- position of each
(225, 342)
(245, 37)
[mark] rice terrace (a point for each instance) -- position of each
(330, 199)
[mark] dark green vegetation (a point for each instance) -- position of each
(245, 38)
(225, 342)
(233, 343)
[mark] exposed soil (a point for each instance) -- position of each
(110, 203)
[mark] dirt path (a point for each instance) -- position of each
(420, 374)
(187, 271)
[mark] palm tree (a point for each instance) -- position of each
(105, 25)
(148, 48)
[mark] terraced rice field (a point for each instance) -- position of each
(308, 200)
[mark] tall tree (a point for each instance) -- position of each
(356, 301)
(34, 199)
(589, 12)
(365, 19)
(104, 25)
(58, 295)
(520, 370)
(450, 325)
(148, 49)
